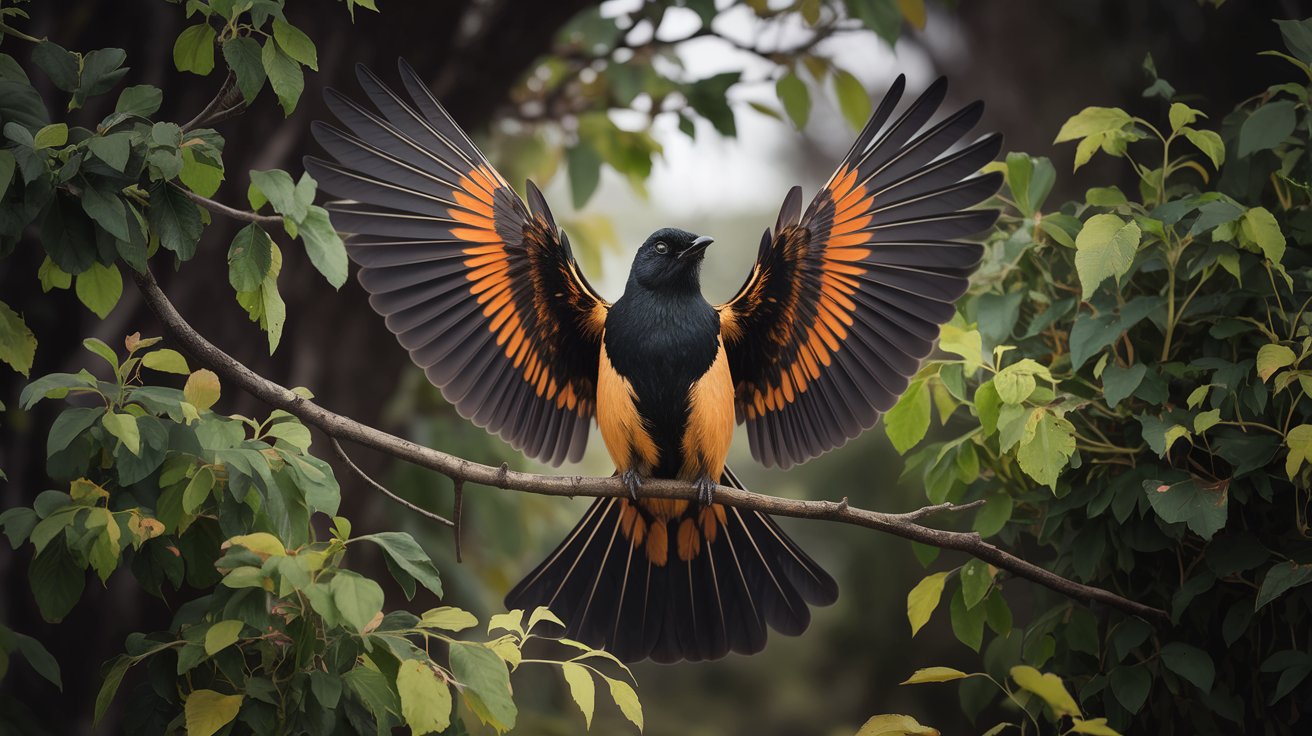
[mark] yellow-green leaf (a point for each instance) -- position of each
(1259, 227)
(167, 361)
(894, 724)
(202, 389)
(206, 711)
(582, 688)
(448, 618)
(1095, 726)
(1299, 441)
(124, 427)
(1047, 686)
(263, 544)
(17, 343)
(934, 674)
(1209, 143)
(923, 599)
(624, 696)
(99, 288)
(1273, 357)
(222, 635)
(425, 699)
(1104, 249)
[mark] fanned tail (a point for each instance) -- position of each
(673, 581)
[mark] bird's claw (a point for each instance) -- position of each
(705, 490)
(631, 481)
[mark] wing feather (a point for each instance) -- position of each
(482, 290)
(846, 297)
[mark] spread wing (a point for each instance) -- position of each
(481, 290)
(846, 298)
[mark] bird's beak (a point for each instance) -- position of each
(698, 246)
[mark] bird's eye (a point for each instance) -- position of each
(662, 248)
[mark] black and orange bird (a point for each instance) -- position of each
(845, 299)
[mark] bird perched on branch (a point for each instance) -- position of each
(845, 299)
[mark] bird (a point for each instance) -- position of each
(844, 301)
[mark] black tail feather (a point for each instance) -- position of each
(612, 595)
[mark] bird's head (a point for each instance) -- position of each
(670, 259)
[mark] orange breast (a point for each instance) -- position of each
(709, 433)
(622, 427)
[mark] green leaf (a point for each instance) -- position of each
(249, 258)
(202, 389)
(1016, 382)
(1209, 143)
(295, 43)
(1045, 453)
(8, 164)
(69, 425)
(1048, 687)
(108, 688)
(406, 553)
(222, 635)
(61, 65)
(198, 176)
(124, 427)
(54, 135)
(853, 101)
(143, 100)
(795, 97)
(1267, 127)
(175, 219)
(97, 347)
(1118, 383)
(895, 724)
(1105, 248)
(57, 581)
(1130, 686)
(1182, 115)
(584, 165)
(242, 53)
(975, 582)
(487, 683)
(207, 712)
(1191, 663)
(17, 343)
(1273, 357)
(967, 623)
(908, 420)
(625, 697)
(923, 599)
(114, 149)
(198, 490)
(994, 515)
(279, 190)
(194, 50)
(1299, 441)
(358, 599)
(324, 246)
(1279, 580)
(934, 674)
(708, 98)
(425, 699)
(39, 658)
(99, 288)
(284, 75)
(373, 689)
(582, 689)
(1203, 509)
(1258, 226)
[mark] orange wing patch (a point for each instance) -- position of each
(709, 431)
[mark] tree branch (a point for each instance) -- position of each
(219, 208)
(464, 471)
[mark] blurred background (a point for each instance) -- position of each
(1034, 62)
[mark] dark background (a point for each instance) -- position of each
(1035, 62)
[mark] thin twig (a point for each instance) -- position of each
(226, 100)
(459, 512)
(456, 468)
(341, 454)
(219, 208)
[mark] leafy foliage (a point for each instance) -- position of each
(1126, 389)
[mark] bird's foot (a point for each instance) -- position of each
(631, 481)
(705, 490)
